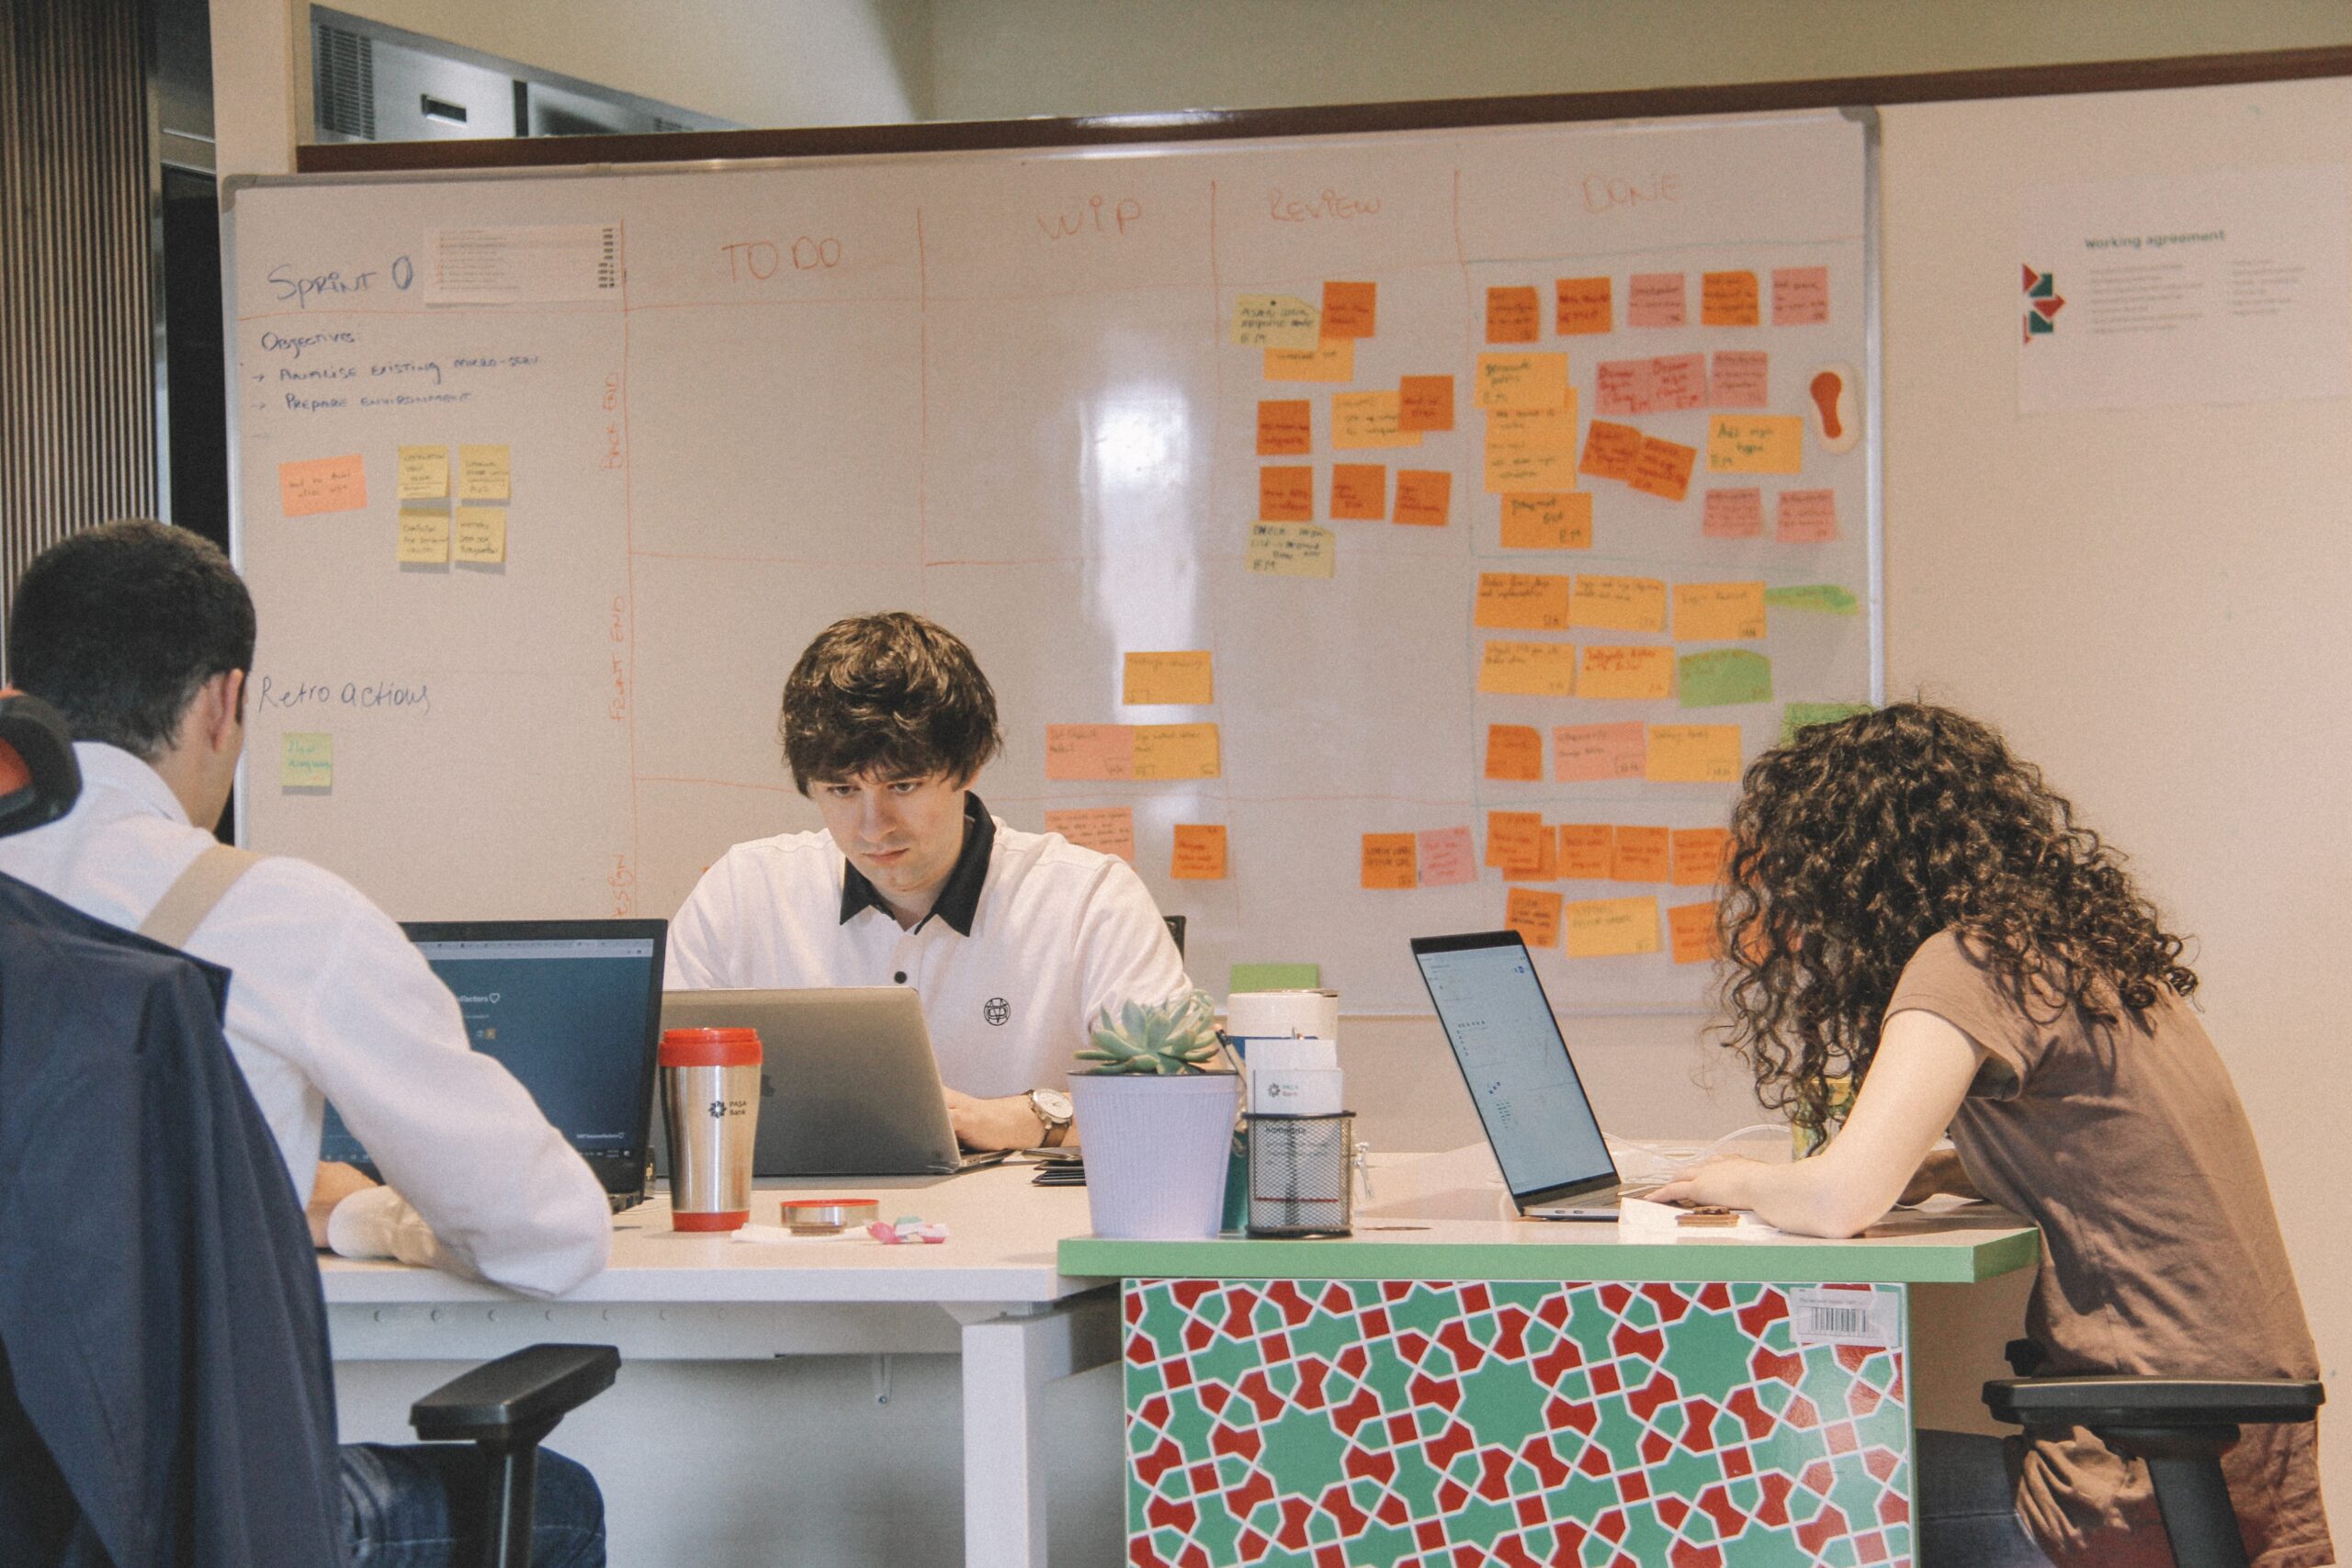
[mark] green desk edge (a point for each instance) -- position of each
(1982, 1256)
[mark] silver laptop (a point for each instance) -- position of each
(848, 1085)
(1515, 1060)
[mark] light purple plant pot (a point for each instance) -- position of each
(1156, 1151)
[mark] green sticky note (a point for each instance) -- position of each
(1796, 716)
(1274, 977)
(1822, 598)
(1722, 676)
(307, 761)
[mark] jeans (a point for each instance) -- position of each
(1968, 1511)
(427, 1506)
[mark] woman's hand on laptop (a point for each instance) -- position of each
(333, 1184)
(1009, 1123)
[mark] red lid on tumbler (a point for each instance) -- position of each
(710, 1047)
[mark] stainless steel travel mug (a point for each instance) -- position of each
(711, 1081)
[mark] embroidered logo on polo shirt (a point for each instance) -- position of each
(997, 1010)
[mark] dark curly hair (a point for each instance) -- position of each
(1858, 839)
(891, 694)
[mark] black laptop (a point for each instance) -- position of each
(573, 1009)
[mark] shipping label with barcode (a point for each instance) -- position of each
(1820, 1316)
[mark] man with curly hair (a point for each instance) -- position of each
(1909, 905)
(1015, 941)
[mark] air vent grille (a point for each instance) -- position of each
(344, 80)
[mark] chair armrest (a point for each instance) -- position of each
(534, 1388)
(2125, 1401)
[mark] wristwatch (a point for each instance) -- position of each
(1052, 1108)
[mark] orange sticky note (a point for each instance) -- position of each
(1612, 928)
(1728, 300)
(1653, 300)
(1511, 838)
(1286, 427)
(1522, 380)
(1091, 752)
(1108, 828)
(1528, 669)
(1693, 753)
(1350, 309)
(1805, 516)
(1663, 467)
(1514, 751)
(1176, 751)
(1618, 603)
(1640, 854)
(1360, 420)
(1559, 521)
(1587, 753)
(1540, 470)
(1388, 860)
(1534, 915)
(1447, 857)
(1552, 428)
(1512, 316)
(1547, 861)
(1733, 515)
(1609, 450)
(1625, 673)
(1692, 929)
(1424, 497)
(1586, 850)
(1359, 491)
(1755, 443)
(1333, 359)
(1285, 495)
(1522, 602)
(1800, 295)
(1199, 854)
(1425, 403)
(323, 484)
(1582, 306)
(1185, 676)
(1718, 612)
(1698, 855)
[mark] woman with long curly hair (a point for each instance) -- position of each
(1909, 908)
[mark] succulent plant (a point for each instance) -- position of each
(1177, 1036)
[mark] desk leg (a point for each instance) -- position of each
(1008, 1361)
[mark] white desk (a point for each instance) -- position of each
(990, 1294)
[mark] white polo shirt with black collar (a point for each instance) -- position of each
(1031, 937)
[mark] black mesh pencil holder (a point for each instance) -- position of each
(1301, 1174)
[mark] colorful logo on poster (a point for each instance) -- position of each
(2042, 303)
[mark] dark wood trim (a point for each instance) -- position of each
(1438, 114)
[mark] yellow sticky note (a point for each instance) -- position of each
(1629, 672)
(482, 535)
(1522, 602)
(1718, 612)
(1561, 521)
(1521, 430)
(424, 473)
(1530, 468)
(1693, 753)
(306, 761)
(424, 536)
(1369, 419)
(1331, 359)
(1275, 320)
(1612, 928)
(1176, 751)
(1291, 549)
(1530, 381)
(1108, 828)
(1618, 603)
(485, 473)
(1528, 669)
(1168, 678)
(1199, 853)
(1755, 443)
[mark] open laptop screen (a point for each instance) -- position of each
(1512, 1053)
(571, 1008)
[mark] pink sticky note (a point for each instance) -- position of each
(323, 484)
(1800, 295)
(1584, 752)
(1734, 515)
(1806, 517)
(1448, 857)
(1737, 379)
(1621, 386)
(1092, 751)
(1654, 299)
(1110, 828)
(1679, 382)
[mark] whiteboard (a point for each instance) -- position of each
(1003, 390)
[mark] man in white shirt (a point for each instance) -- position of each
(142, 636)
(1015, 941)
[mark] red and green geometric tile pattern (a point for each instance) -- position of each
(1312, 1424)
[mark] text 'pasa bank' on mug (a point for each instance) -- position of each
(710, 1082)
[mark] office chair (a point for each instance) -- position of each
(2179, 1427)
(1176, 931)
(164, 1389)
